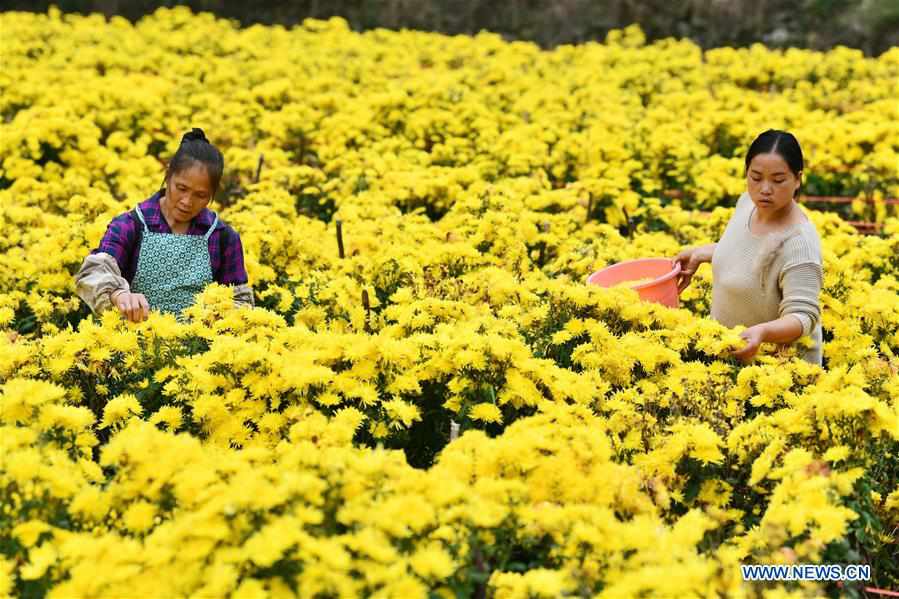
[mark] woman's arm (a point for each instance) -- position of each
(98, 279)
(691, 259)
(783, 330)
(101, 274)
(243, 295)
(232, 270)
(800, 313)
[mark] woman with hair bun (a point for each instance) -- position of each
(161, 254)
(767, 267)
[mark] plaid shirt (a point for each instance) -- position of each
(120, 241)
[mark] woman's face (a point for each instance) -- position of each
(188, 192)
(771, 183)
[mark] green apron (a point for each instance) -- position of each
(172, 269)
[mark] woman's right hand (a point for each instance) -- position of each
(133, 306)
(690, 259)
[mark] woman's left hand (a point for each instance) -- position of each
(754, 336)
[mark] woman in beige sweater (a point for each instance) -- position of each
(767, 267)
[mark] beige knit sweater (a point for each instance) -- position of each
(760, 278)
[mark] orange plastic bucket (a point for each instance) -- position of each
(662, 289)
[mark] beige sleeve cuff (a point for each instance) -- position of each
(97, 279)
(804, 320)
(243, 295)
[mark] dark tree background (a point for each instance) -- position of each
(870, 25)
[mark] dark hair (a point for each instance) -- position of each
(782, 143)
(196, 148)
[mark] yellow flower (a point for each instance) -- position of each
(538, 582)
(379, 430)
(432, 562)
(39, 560)
(7, 582)
(90, 503)
(519, 390)
(120, 409)
(401, 414)
(170, 416)
(251, 588)
(29, 532)
(19, 397)
(139, 516)
(70, 418)
(486, 412)
(836, 454)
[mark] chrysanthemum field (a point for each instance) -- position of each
(439, 407)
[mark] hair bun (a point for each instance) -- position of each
(195, 134)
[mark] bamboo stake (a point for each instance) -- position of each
(367, 306)
(339, 238)
(630, 231)
(541, 258)
(259, 167)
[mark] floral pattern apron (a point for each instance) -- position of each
(172, 269)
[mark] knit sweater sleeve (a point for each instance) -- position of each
(801, 287)
(801, 279)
